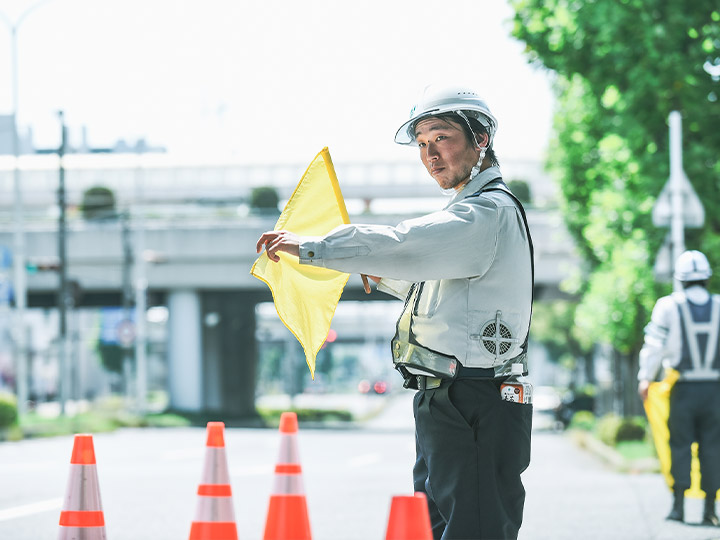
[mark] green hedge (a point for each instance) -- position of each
(584, 420)
(8, 410)
(613, 429)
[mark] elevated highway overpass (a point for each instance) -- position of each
(195, 258)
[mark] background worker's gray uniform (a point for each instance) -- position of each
(683, 334)
(469, 270)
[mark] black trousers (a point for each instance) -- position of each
(695, 416)
(471, 449)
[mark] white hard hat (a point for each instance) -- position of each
(443, 99)
(692, 265)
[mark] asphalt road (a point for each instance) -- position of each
(148, 481)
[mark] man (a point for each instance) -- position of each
(683, 335)
(466, 275)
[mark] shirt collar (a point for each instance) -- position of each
(697, 295)
(476, 183)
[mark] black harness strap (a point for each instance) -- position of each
(498, 185)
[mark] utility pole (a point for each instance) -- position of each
(127, 332)
(64, 299)
(140, 295)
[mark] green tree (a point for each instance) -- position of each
(264, 199)
(98, 202)
(521, 189)
(621, 67)
(554, 327)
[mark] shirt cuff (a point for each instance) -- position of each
(394, 287)
(310, 250)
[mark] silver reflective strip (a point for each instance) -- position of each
(711, 346)
(214, 509)
(83, 490)
(215, 470)
(82, 533)
(288, 448)
(656, 332)
(288, 484)
(700, 375)
(416, 358)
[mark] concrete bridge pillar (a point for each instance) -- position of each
(185, 373)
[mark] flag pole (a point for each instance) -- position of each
(341, 202)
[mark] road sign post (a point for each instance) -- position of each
(677, 206)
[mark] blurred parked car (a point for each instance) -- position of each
(546, 400)
(378, 386)
(572, 402)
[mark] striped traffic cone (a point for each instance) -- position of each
(287, 517)
(409, 518)
(214, 515)
(82, 516)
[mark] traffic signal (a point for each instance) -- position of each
(42, 264)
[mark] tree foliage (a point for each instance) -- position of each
(521, 189)
(554, 328)
(98, 202)
(621, 68)
(264, 199)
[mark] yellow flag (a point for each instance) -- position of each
(657, 409)
(306, 296)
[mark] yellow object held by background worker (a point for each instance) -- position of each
(657, 408)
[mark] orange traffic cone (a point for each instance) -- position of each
(287, 517)
(82, 515)
(214, 515)
(409, 518)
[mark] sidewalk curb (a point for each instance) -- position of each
(612, 457)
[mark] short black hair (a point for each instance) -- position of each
(477, 127)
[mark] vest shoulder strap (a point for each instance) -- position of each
(497, 184)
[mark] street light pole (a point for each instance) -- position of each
(19, 281)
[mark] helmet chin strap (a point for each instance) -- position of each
(473, 172)
(476, 169)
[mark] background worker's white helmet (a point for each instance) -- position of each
(443, 99)
(692, 265)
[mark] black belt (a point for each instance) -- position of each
(474, 372)
(428, 383)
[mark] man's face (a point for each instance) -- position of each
(445, 151)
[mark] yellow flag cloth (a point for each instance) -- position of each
(657, 408)
(306, 296)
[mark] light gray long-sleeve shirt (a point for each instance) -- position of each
(473, 257)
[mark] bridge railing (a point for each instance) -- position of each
(166, 178)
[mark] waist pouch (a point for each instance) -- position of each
(424, 361)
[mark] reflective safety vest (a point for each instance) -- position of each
(700, 329)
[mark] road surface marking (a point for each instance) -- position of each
(30, 509)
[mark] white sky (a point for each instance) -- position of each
(269, 80)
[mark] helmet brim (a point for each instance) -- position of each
(405, 134)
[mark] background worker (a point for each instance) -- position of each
(466, 276)
(683, 335)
